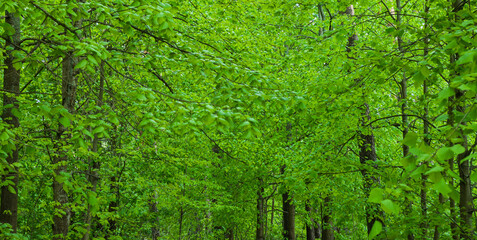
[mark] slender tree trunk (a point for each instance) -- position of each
(272, 212)
(61, 218)
(155, 234)
(113, 206)
(288, 217)
(94, 175)
(287, 203)
(260, 231)
(11, 84)
(181, 218)
(465, 200)
(327, 225)
(62, 214)
(367, 153)
(310, 224)
(229, 234)
(367, 157)
(452, 207)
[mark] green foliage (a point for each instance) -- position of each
(184, 110)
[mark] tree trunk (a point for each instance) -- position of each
(310, 224)
(94, 175)
(327, 225)
(11, 84)
(155, 234)
(453, 214)
(367, 157)
(260, 231)
(465, 185)
(288, 217)
(61, 218)
(287, 203)
(62, 214)
(465, 204)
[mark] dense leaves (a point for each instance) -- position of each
(225, 119)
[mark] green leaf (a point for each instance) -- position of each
(4, 136)
(141, 97)
(410, 139)
(65, 121)
(467, 57)
(442, 187)
(457, 149)
(389, 207)
(99, 129)
(376, 195)
(435, 169)
(11, 189)
(81, 64)
(375, 230)
(446, 93)
(92, 60)
(93, 202)
(245, 125)
(445, 153)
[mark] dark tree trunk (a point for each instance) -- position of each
(465, 204)
(95, 164)
(452, 207)
(465, 195)
(113, 206)
(310, 224)
(327, 225)
(11, 85)
(229, 234)
(288, 217)
(367, 157)
(155, 234)
(69, 85)
(260, 231)
(61, 218)
(287, 203)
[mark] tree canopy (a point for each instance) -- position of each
(237, 119)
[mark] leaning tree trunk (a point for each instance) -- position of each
(11, 85)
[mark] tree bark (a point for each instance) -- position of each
(95, 164)
(465, 185)
(327, 225)
(287, 203)
(11, 84)
(367, 152)
(310, 224)
(452, 207)
(260, 231)
(288, 216)
(367, 157)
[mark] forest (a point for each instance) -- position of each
(238, 119)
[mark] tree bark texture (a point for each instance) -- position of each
(11, 85)
(310, 224)
(287, 203)
(327, 225)
(95, 164)
(367, 157)
(260, 231)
